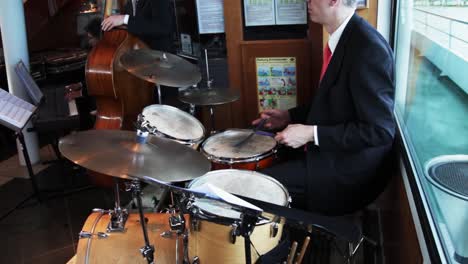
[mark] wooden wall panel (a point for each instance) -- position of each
(229, 115)
(400, 242)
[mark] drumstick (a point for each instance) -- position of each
(303, 250)
(292, 253)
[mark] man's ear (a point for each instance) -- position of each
(333, 2)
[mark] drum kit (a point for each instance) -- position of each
(211, 224)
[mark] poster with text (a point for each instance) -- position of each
(276, 83)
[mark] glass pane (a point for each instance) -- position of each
(431, 52)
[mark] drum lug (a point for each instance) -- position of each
(86, 234)
(166, 234)
(195, 224)
(196, 260)
(274, 229)
(234, 233)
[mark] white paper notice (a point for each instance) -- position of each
(291, 12)
(210, 16)
(259, 12)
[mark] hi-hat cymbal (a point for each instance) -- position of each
(116, 153)
(160, 67)
(208, 96)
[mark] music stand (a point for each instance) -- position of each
(15, 114)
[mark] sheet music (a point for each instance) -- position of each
(14, 112)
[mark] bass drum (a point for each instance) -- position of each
(210, 237)
(124, 247)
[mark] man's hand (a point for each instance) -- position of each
(276, 119)
(296, 135)
(112, 22)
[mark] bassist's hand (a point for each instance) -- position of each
(112, 22)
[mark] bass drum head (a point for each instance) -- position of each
(245, 183)
(222, 145)
(173, 122)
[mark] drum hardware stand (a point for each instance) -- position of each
(209, 82)
(118, 216)
(177, 225)
(147, 250)
(244, 229)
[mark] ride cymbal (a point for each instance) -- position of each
(208, 96)
(160, 67)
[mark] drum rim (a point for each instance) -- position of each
(224, 160)
(172, 108)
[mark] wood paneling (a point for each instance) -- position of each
(234, 37)
(400, 241)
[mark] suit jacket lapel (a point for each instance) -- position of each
(334, 66)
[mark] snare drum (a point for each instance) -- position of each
(170, 122)
(124, 247)
(210, 236)
(257, 153)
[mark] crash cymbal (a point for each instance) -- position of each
(208, 96)
(160, 67)
(116, 153)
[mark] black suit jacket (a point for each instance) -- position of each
(353, 111)
(153, 23)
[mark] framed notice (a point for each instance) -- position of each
(276, 82)
(291, 12)
(259, 12)
(210, 16)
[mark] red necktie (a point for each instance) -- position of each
(326, 60)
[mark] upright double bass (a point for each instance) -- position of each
(120, 96)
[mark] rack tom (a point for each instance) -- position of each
(172, 123)
(224, 152)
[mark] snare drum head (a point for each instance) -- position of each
(245, 183)
(173, 122)
(223, 145)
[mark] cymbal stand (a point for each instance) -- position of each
(159, 86)
(244, 229)
(118, 216)
(177, 225)
(147, 250)
(159, 93)
(209, 82)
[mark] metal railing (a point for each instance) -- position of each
(450, 32)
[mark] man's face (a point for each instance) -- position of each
(318, 10)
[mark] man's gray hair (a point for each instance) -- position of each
(350, 3)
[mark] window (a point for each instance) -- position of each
(431, 106)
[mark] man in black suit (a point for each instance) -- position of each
(346, 134)
(150, 20)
